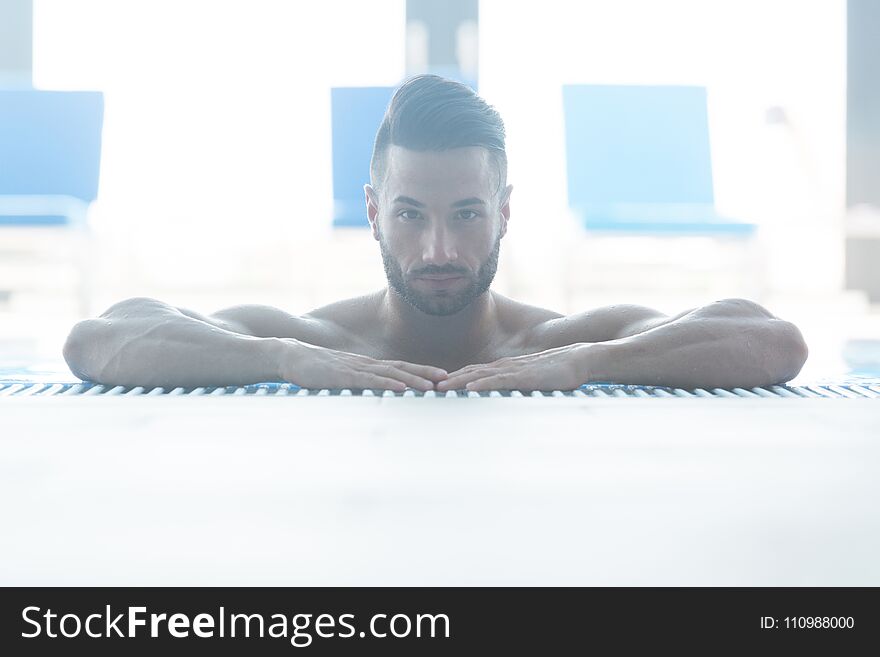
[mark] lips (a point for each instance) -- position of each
(439, 281)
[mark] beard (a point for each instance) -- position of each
(441, 302)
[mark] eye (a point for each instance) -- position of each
(467, 215)
(410, 215)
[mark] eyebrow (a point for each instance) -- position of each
(468, 201)
(458, 204)
(409, 201)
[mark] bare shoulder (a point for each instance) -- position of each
(599, 325)
(322, 327)
(259, 320)
(348, 312)
(520, 320)
(331, 326)
(348, 321)
(339, 312)
(247, 319)
(624, 320)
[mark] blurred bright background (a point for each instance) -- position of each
(216, 178)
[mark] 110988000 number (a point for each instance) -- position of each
(819, 622)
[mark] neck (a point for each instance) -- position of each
(441, 340)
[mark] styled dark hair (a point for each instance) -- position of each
(431, 113)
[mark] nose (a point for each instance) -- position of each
(438, 246)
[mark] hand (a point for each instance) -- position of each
(309, 366)
(562, 368)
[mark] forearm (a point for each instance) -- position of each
(168, 351)
(701, 352)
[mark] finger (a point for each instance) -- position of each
(462, 371)
(501, 363)
(389, 371)
(502, 381)
(461, 380)
(425, 371)
(366, 380)
(476, 366)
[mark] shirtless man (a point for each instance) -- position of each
(439, 205)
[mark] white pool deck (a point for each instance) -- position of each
(256, 490)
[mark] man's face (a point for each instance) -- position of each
(439, 220)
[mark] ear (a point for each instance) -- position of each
(505, 209)
(371, 197)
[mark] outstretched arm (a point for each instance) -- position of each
(726, 344)
(142, 341)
